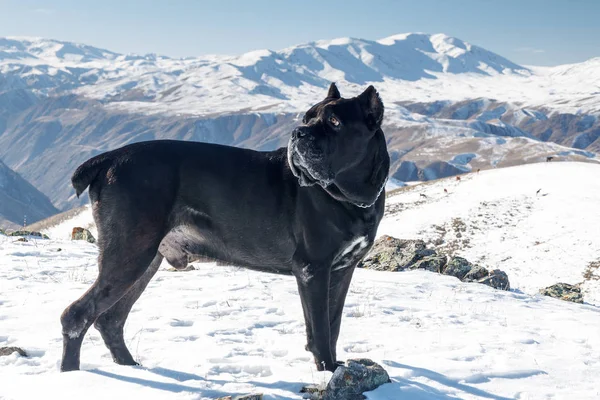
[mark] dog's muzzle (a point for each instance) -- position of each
(306, 161)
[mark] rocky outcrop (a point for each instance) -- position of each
(564, 291)
(458, 267)
(29, 233)
(392, 254)
(82, 234)
(433, 263)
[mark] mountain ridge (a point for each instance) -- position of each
(451, 107)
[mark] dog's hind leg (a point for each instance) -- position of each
(122, 262)
(338, 289)
(111, 323)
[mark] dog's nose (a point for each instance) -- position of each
(299, 132)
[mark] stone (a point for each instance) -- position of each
(190, 267)
(434, 263)
(6, 351)
(391, 254)
(458, 267)
(358, 376)
(496, 279)
(564, 291)
(82, 234)
(243, 397)
(476, 273)
(29, 233)
(315, 391)
(22, 239)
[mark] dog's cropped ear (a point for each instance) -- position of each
(333, 92)
(372, 107)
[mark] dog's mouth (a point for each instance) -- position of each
(303, 168)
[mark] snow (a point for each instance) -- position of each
(407, 67)
(536, 222)
(219, 330)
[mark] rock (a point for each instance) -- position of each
(244, 397)
(82, 234)
(434, 263)
(190, 267)
(29, 233)
(564, 291)
(349, 382)
(391, 254)
(496, 279)
(315, 391)
(475, 274)
(22, 239)
(458, 267)
(7, 351)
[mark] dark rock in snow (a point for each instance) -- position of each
(433, 263)
(564, 291)
(391, 254)
(475, 274)
(244, 397)
(82, 234)
(458, 267)
(190, 267)
(349, 382)
(29, 233)
(496, 279)
(7, 351)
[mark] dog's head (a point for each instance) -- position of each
(339, 139)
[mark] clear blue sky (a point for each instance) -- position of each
(535, 32)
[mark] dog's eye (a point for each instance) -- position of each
(334, 121)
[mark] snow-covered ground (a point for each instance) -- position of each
(537, 222)
(224, 330)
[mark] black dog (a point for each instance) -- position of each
(311, 210)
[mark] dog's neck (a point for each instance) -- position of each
(363, 185)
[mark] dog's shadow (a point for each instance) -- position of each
(399, 385)
(179, 376)
(417, 390)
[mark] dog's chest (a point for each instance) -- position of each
(350, 253)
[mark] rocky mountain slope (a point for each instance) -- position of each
(451, 107)
(20, 202)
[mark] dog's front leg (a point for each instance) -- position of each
(313, 286)
(338, 289)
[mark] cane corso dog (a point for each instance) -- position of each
(310, 210)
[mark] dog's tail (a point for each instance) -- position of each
(87, 172)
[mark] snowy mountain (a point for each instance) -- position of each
(446, 100)
(19, 201)
(233, 331)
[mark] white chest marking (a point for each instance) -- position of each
(345, 258)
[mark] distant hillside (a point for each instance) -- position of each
(19, 201)
(451, 106)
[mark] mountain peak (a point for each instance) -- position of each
(24, 47)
